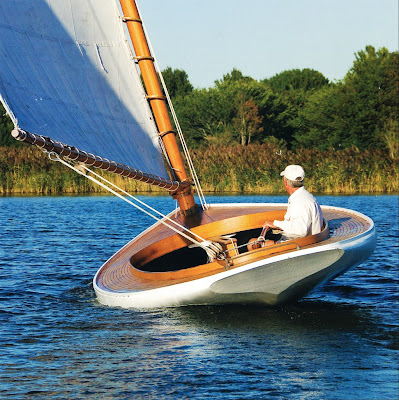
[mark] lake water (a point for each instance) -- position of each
(58, 342)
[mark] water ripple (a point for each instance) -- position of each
(57, 341)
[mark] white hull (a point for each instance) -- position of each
(272, 281)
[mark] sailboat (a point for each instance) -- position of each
(71, 79)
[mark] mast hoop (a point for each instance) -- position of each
(105, 163)
(164, 133)
(137, 59)
(71, 148)
(65, 150)
(114, 164)
(155, 97)
(131, 19)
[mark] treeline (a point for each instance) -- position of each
(243, 132)
(296, 108)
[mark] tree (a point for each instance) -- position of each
(270, 107)
(296, 79)
(294, 87)
(233, 77)
(204, 116)
(356, 111)
(247, 122)
(319, 122)
(372, 87)
(177, 82)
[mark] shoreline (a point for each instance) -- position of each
(250, 170)
(165, 194)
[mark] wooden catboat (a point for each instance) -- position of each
(70, 83)
(158, 269)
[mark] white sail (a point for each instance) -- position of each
(67, 72)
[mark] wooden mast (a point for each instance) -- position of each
(157, 101)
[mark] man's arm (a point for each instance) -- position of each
(297, 225)
(270, 224)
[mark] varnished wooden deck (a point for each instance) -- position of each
(117, 274)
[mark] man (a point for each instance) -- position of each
(303, 216)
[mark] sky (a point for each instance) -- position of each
(261, 38)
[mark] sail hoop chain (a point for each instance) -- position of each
(96, 161)
(213, 249)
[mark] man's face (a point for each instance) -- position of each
(285, 184)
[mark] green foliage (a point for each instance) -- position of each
(210, 116)
(391, 138)
(294, 88)
(204, 115)
(6, 127)
(318, 123)
(233, 77)
(356, 111)
(177, 82)
(296, 79)
(372, 89)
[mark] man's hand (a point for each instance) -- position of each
(269, 224)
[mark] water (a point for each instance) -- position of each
(57, 341)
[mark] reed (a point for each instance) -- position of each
(28, 170)
(256, 169)
(236, 169)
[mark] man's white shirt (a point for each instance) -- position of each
(303, 216)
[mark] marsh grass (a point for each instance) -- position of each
(236, 169)
(256, 169)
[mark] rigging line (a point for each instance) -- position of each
(142, 203)
(210, 248)
(8, 110)
(184, 145)
(182, 140)
(190, 163)
(163, 149)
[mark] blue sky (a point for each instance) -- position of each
(208, 38)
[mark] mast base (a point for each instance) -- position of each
(184, 195)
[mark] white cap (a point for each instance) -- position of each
(294, 173)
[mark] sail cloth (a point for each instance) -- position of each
(67, 72)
